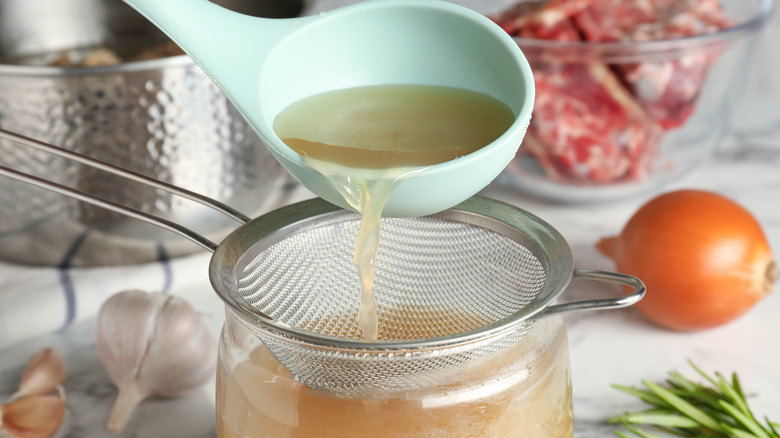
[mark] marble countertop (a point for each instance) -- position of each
(606, 347)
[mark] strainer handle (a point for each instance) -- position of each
(630, 299)
(113, 206)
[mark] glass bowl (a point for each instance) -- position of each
(614, 119)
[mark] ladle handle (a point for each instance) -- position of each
(630, 299)
(229, 46)
(113, 206)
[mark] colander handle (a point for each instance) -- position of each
(630, 299)
(113, 206)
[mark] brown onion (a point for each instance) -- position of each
(704, 258)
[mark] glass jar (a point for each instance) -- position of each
(470, 344)
(523, 390)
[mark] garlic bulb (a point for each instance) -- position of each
(152, 344)
(44, 373)
(34, 416)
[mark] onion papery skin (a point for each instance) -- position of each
(704, 258)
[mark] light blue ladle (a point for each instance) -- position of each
(263, 65)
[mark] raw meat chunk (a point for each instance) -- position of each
(601, 123)
(586, 128)
(668, 88)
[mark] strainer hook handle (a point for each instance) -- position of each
(630, 299)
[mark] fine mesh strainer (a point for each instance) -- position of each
(450, 288)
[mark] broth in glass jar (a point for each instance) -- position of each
(520, 391)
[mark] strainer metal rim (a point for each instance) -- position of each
(475, 211)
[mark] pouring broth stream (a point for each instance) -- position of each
(367, 140)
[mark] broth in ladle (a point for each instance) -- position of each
(367, 140)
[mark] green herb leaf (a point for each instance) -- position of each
(747, 421)
(644, 395)
(635, 430)
(682, 407)
(659, 418)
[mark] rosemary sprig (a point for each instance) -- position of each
(682, 407)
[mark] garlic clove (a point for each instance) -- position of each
(45, 371)
(185, 358)
(152, 344)
(35, 416)
(124, 329)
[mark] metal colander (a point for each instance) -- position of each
(450, 288)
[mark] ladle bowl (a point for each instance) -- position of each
(263, 65)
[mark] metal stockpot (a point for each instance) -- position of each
(163, 118)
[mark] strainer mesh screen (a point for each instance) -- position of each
(434, 278)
